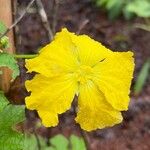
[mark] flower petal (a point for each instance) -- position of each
(48, 118)
(50, 96)
(55, 58)
(90, 52)
(113, 77)
(94, 111)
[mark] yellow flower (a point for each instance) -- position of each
(77, 65)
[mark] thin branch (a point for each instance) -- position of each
(142, 26)
(44, 18)
(24, 56)
(55, 13)
(82, 25)
(18, 19)
(14, 8)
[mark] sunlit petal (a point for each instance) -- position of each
(94, 111)
(113, 77)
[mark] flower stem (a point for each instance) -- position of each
(25, 56)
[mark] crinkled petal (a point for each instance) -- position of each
(94, 111)
(48, 118)
(50, 95)
(56, 58)
(90, 52)
(113, 77)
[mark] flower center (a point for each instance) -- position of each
(83, 73)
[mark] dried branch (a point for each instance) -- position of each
(18, 19)
(143, 26)
(82, 25)
(44, 18)
(55, 13)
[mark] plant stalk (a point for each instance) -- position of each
(25, 56)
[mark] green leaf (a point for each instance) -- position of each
(10, 115)
(143, 75)
(101, 2)
(10, 138)
(111, 3)
(30, 143)
(3, 101)
(115, 10)
(77, 143)
(4, 42)
(128, 15)
(139, 7)
(114, 7)
(129, 8)
(59, 142)
(7, 60)
(3, 28)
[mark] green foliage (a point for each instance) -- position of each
(114, 7)
(30, 143)
(10, 115)
(4, 42)
(3, 101)
(139, 7)
(7, 60)
(143, 75)
(77, 143)
(128, 8)
(58, 142)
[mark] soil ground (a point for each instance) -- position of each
(119, 35)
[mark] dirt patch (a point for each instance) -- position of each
(120, 35)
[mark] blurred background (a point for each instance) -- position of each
(120, 25)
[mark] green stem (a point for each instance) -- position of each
(25, 56)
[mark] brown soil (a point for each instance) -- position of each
(119, 35)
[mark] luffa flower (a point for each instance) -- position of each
(77, 65)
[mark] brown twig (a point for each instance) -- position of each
(18, 19)
(14, 12)
(55, 12)
(82, 25)
(44, 18)
(145, 27)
